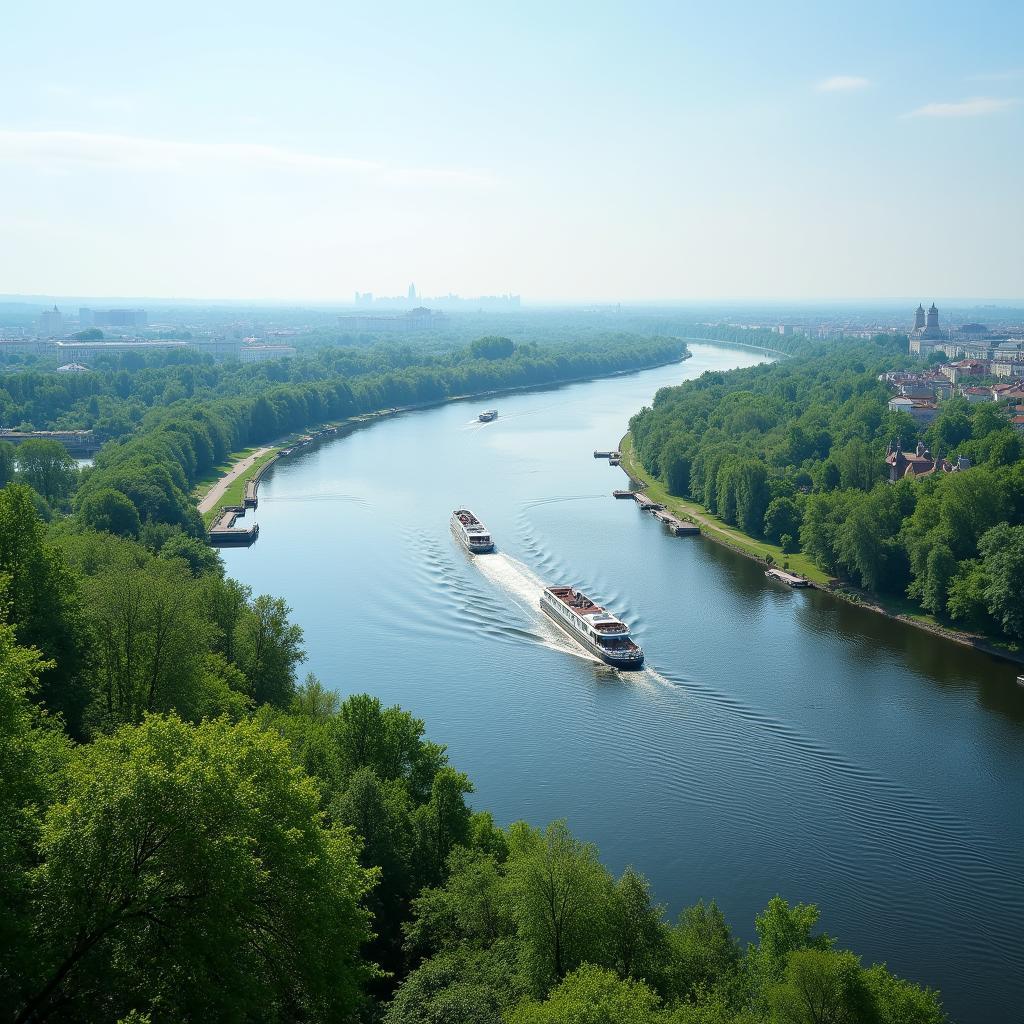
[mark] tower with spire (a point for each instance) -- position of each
(926, 333)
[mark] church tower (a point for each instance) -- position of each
(919, 318)
(933, 320)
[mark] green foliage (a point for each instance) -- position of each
(178, 851)
(47, 467)
(492, 348)
(794, 451)
(592, 995)
(109, 511)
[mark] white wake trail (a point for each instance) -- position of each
(524, 587)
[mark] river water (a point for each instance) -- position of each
(778, 741)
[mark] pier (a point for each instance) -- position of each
(611, 454)
(678, 527)
(224, 533)
(789, 578)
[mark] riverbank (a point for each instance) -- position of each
(770, 554)
(231, 488)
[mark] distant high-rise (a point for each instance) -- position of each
(412, 293)
(51, 323)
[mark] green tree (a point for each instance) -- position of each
(268, 648)
(822, 987)
(200, 853)
(109, 511)
(29, 755)
(152, 641)
(47, 467)
(560, 894)
(1002, 566)
(592, 995)
(7, 462)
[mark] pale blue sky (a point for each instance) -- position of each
(567, 151)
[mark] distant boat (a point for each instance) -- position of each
(487, 415)
(471, 531)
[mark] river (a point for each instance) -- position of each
(778, 742)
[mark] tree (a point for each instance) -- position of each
(705, 956)
(28, 755)
(559, 894)
(781, 517)
(443, 822)
(822, 987)
(781, 930)
(152, 641)
(492, 347)
(268, 648)
(1002, 566)
(47, 467)
(7, 462)
(636, 936)
(592, 995)
(42, 603)
(194, 852)
(109, 511)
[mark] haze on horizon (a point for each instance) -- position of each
(659, 152)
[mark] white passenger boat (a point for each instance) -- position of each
(592, 627)
(471, 531)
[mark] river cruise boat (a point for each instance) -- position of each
(471, 531)
(487, 415)
(593, 628)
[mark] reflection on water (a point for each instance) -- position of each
(777, 741)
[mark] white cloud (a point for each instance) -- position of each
(842, 83)
(127, 152)
(977, 107)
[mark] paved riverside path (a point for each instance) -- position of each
(216, 492)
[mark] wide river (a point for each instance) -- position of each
(778, 742)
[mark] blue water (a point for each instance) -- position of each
(777, 742)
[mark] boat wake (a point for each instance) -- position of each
(523, 587)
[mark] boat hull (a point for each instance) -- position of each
(629, 665)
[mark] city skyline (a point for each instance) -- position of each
(666, 154)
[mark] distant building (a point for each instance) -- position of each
(51, 323)
(72, 368)
(903, 465)
(926, 332)
(921, 410)
(112, 317)
(412, 293)
(81, 348)
(263, 353)
(417, 319)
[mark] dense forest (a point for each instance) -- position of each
(191, 832)
(794, 452)
(172, 422)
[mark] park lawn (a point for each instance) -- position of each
(713, 527)
(211, 476)
(235, 492)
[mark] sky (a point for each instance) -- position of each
(567, 152)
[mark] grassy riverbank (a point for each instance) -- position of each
(713, 528)
(235, 491)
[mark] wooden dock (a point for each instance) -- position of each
(678, 527)
(224, 533)
(789, 578)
